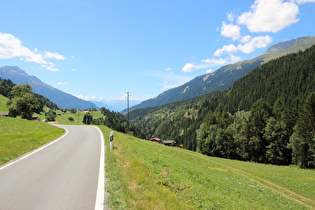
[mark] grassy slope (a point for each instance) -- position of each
(3, 102)
(148, 175)
(18, 136)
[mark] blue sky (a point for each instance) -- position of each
(100, 49)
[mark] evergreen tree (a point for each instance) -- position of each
(303, 141)
(278, 139)
(259, 115)
(87, 119)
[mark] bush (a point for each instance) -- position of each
(50, 115)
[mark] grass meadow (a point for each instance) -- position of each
(3, 102)
(147, 175)
(19, 136)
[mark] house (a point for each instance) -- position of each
(4, 114)
(168, 142)
(155, 139)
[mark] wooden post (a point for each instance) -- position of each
(111, 140)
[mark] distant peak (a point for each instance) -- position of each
(283, 45)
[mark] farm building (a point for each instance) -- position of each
(4, 114)
(168, 142)
(155, 139)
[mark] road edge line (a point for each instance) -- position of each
(22, 157)
(100, 194)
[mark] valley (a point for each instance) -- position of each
(247, 146)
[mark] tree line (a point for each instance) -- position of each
(267, 134)
(115, 121)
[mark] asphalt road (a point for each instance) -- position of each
(63, 175)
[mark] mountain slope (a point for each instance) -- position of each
(224, 77)
(59, 97)
(289, 79)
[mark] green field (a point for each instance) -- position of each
(3, 102)
(19, 136)
(62, 118)
(147, 175)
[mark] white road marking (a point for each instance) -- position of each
(99, 204)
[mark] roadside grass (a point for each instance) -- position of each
(3, 104)
(146, 175)
(19, 136)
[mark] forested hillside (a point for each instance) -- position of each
(225, 76)
(262, 117)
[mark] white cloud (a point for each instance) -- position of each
(189, 67)
(11, 47)
(73, 69)
(169, 79)
(251, 44)
(269, 16)
(246, 39)
(86, 98)
(214, 61)
(234, 58)
(209, 71)
(230, 30)
(50, 68)
(304, 1)
(230, 16)
(169, 69)
(62, 83)
(227, 48)
(54, 55)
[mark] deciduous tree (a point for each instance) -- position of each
(24, 103)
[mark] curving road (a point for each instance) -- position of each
(63, 175)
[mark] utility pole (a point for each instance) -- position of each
(92, 112)
(128, 112)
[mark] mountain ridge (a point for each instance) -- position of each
(62, 99)
(225, 76)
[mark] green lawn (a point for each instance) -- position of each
(19, 136)
(147, 175)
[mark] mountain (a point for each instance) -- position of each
(101, 104)
(59, 97)
(284, 83)
(225, 76)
